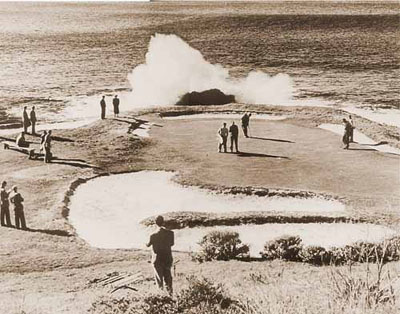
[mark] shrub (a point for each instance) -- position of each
(202, 293)
(221, 245)
(286, 248)
(315, 255)
(158, 303)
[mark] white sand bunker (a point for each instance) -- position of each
(226, 116)
(322, 234)
(106, 211)
(361, 139)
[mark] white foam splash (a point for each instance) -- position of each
(173, 68)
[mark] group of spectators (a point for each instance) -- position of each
(45, 137)
(223, 134)
(14, 197)
(103, 106)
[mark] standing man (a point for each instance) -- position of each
(245, 123)
(42, 139)
(33, 120)
(103, 107)
(161, 242)
(351, 137)
(25, 120)
(5, 205)
(234, 130)
(223, 137)
(347, 131)
(17, 200)
(47, 147)
(116, 106)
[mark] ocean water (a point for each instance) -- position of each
(62, 56)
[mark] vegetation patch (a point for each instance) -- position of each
(221, 245)
(201, 296)
(290, 248)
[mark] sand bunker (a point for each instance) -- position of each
(106, 212)
(226, 116)
(361, 139)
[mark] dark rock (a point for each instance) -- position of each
(208, 97)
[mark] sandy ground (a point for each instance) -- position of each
(47, 269)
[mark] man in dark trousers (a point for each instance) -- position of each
(223, 137)
(5, 205)
(116, 106)
(17, 200)
(347, 131)
(103, 107)
(234, 130)
(26, 122)
(32, 115)
(161, 242)
(47, 147)
(245, 123)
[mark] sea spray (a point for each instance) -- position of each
(173, 68)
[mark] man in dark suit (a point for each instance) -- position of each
(161, 242)
(116, 106)
(5, 205)
(103, 107)
(234, 130)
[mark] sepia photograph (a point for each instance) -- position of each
(200, 157)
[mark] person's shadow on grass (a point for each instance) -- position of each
(246, 154)
(270, 139)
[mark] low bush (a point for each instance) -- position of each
(221, 245)
(286, 248)
(315, 255)
(290, 248)
(201, 292)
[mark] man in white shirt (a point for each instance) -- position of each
(223, 137)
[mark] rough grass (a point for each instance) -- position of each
(340, 290)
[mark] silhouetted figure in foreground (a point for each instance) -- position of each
(223, 138)
(234, 131)
(47, 147)
(17, 200)
(161, 243)
(33, 119)
(21, 141)
(103, 107)
(116, 106)
(347, 131)
(246, 123)
(26, 122)
(351, 135)
(5, 205)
